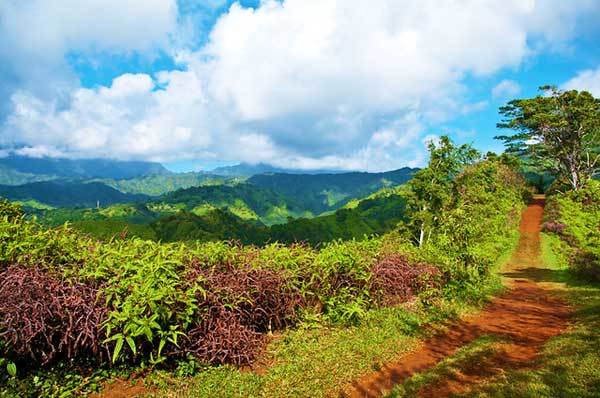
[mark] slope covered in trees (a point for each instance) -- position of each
(63, 193)
(324, 192)
(77, 168)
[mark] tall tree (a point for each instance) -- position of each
(559, 130)
(431, 187)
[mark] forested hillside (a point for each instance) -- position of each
(63, 193)
(323, 192)
(160, 184)
(243, 200)
(75, 168)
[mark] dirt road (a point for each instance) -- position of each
(525, 316)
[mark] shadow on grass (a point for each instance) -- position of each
(537, 274)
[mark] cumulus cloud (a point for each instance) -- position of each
(37, 35)
(588, 80)
(506, 89)
(299, 83)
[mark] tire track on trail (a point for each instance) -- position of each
(525, 316)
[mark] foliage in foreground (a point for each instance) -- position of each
(217, 301)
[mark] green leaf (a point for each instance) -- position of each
(117, 350)
(161, 345)
(131, 344)
(11, 368)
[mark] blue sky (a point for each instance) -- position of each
(296, 83)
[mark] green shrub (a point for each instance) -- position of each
(575, 215)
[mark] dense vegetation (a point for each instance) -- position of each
(319, 193)
(377, 214)
(575, 217)
(244, 200)
(160, 184)
(63, 193)
(156, 303)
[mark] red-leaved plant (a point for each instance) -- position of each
(46, 318)
(395, 280)
(239, 305)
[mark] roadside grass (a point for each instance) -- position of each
(308, 362)
(569, 364)
(476, 352)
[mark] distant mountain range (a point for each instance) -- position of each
(181, 220)
(249, 197)
(16, 170)
(248, 170)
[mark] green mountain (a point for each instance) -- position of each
(63, 193)
(10, 176)
(246, 201)
(159, 184)
(136, 213)
(213, 225)
(319, 193)
(377, 214)
(16, 170)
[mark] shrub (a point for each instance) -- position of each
(396, 280)
(44, 317)
(237, 306)
(575, 216)
(222, 338)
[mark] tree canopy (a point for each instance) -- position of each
(559, 130)
(431, 187)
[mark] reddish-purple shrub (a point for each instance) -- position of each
(240, 304)
(554, 227)
(260, 297)
(396, 280)
(222, 338)
(46, 318)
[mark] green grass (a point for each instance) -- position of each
(569, 364)
(312, 362)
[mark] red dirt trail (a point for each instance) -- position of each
(526, 315)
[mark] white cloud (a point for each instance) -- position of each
(299, 83)
(37, 35)
(506, 89)
(587, 80)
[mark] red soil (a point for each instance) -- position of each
(526, 316)
(122, 389)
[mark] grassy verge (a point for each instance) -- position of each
(569, 365)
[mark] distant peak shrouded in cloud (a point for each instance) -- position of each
(332, 84)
